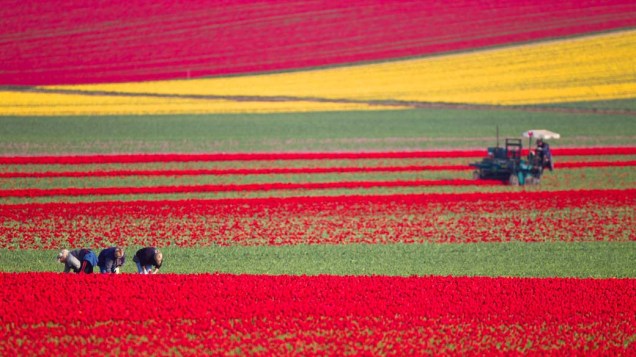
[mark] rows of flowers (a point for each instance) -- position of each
(555, 72)
(54, 102)
(563, 71)
(78, 314)
(596, 215)
(288, 170)
(105, 191)
(123, 42)
(148, 158)
(568, 70)
(259, 171)
(43, 314)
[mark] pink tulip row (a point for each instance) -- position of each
(418, 218)
(50, 313)
(125, 41)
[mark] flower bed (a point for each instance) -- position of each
(194, 314)
(135, 41)
(596, 215)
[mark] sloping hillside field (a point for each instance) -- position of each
(304, 166)
(72, 43)
(551, 72)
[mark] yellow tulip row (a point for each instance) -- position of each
(599, 67)
(52, 104)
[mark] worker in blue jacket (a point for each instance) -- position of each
(111, 259)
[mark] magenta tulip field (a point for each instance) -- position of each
(132, 41)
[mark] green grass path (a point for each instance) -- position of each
(559, 259)
(392, 130)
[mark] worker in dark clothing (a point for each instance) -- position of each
(78, 260)
(147, 259)
(544, 154)
(111, 259)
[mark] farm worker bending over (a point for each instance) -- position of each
(147, 258)
(110, 259)
(78, 260)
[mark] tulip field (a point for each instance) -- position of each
(332, 315)
(321, 253)
(305, 169)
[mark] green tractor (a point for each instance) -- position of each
(507, 164)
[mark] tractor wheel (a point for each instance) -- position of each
(513, 180)
(476, 175)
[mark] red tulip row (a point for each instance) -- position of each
(68, 314)
(283, 171)
(148, 158)
(103, 191)
(438, 218)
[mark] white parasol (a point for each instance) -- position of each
(541, 134)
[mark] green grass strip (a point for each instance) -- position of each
(559, 259)
(395, 130)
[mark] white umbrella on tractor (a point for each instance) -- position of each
(539, 134)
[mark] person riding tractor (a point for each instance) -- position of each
(544, 155)
(507, 163)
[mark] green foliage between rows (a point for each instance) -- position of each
(597, 259)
